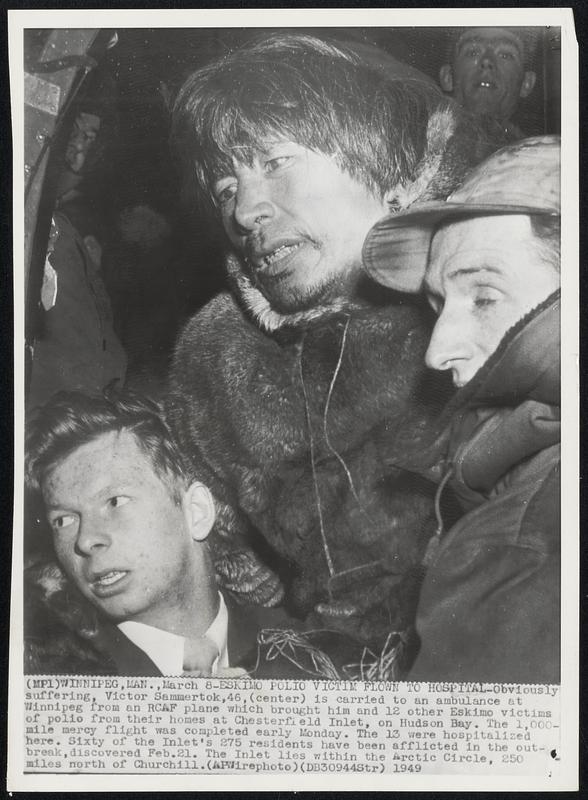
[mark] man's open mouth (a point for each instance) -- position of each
(280, 253)
(109, 582)
(273, 263)
(486, 83)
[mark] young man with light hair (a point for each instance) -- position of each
(129, 526)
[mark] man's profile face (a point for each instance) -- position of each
(484, 275)
(488, 75)
(117, 531)
(300, 223)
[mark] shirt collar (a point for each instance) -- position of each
(166, 649)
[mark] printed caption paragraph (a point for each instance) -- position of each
(161, 725)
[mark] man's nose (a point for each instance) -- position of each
(253, 203)
(488, 58)
(92, 535)
(448, 344)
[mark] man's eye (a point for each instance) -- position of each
(223, 193)
(485, 298)
(62, 522)
(272, 164)
(482, 302)
(118, 500)
(507, 55)
(472, 52)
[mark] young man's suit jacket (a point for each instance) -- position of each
(261, 661)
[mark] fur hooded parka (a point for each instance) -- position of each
(290, 430)
(287, 419)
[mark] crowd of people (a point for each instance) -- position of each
(351, 467)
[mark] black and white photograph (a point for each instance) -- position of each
(288, 366)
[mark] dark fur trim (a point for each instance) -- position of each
(246, 405)
(60, 626)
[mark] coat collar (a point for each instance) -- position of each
(526, 364)
(260, 310)
(506, 413)
(243, 626)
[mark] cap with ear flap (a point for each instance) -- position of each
(523, 178)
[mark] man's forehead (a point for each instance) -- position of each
(117, 442)
(100, 458)
(468, 245)
(494, 36)
(457, 247)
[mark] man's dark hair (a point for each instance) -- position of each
(71, 419)
(322, 96)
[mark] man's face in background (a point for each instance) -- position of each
(300, 222)
(81, 141)
(488, 75)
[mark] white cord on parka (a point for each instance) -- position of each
(325, 543)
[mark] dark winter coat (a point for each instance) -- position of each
(489, 606)
(288, 428)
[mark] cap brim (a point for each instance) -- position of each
(396, 249)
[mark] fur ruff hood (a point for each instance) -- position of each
(258, 308)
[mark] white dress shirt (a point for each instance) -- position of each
(166, 650)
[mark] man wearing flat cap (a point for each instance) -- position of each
(488, 260)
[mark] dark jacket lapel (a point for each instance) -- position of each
(129, 659)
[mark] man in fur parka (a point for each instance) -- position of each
(289, 393)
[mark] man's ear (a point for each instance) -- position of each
(528, 83)
(199, 511)
(446, 78)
